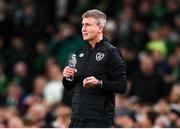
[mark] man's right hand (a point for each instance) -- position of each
(68, 71)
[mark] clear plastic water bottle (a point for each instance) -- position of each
(72, 63)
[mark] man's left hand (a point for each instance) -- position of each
(90, 82)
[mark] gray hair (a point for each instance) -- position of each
(98, 15)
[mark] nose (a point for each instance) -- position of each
(83, 29)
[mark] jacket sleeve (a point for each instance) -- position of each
(117, 73)
(68, 85)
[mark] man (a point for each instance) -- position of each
(100, 72)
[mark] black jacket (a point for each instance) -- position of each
(105, 63)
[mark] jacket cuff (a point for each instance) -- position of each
(67, 84)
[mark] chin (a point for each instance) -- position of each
(85, 38)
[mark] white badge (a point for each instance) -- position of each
(81, 54)
(99, 56)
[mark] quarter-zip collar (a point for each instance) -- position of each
(98, 44)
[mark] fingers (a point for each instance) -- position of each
(67, 72)
(90, 82)
(86, 83)
(90, 78)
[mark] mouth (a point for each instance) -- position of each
(85, 34)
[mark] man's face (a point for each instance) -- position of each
(90, 29)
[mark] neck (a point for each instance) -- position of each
(96, 40)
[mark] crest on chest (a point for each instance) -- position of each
(99, 56)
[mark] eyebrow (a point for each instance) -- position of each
(86, 23)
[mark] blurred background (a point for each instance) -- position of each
(36, 37)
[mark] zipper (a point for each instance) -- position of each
(84, 70)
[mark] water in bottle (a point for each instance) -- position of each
(72, 63)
